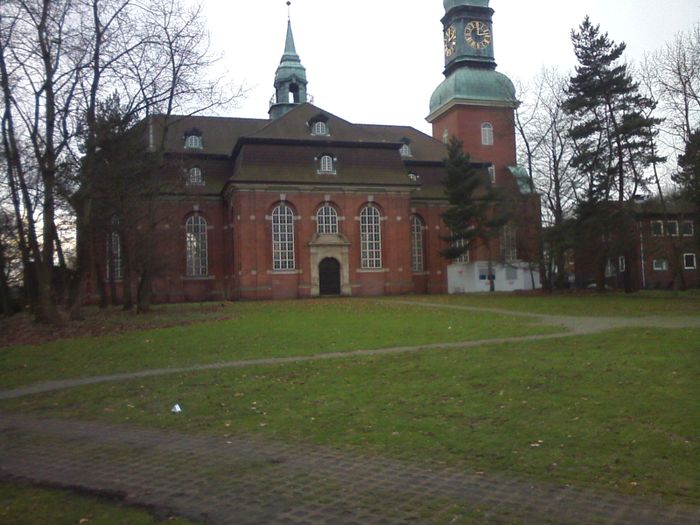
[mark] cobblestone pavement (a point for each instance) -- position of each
(249, 479)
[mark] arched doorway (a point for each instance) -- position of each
(329, 276)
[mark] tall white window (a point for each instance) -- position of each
(371, 237)
(327, 219)
(283, 238)
(417, 257)
(327, 165)
(487, 134)
(690, 262)
(197, 246)
(406, 151)
(509, 248)
(114, 257)
(492, 174)
(194, 177)
(319, 128)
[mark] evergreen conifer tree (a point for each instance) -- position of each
(689, 175)
(612, 127)
(474, 215)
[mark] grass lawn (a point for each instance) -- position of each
(615, 411)
(255, 330)
(22, 504)
(588, 304)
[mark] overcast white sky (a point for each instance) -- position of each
(378, 61)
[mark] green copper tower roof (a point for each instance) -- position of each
(290, 79)
(449, 4)
(470, 66)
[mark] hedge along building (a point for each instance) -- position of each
(305, 203)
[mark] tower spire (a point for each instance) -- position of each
(290, 78)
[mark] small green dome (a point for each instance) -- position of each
(449, 4)
(471, 84)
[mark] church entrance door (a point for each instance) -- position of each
(329, 276)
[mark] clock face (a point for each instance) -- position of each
(450, 41)
(477, 34)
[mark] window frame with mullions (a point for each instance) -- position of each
(283, 238)
(370, 238)
(196, 246)
(327, 220)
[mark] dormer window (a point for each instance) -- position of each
(319, 128)
(414, 177)
(193, 139)
(406, 148)
(195, 177)
(327, 164)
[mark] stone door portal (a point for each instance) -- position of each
(329, 276)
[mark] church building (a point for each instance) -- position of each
(306, 204)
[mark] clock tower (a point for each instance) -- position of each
(475, 103)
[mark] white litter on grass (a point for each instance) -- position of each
(176, 409)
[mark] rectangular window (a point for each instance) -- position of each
(660, 265)
(511, 273)
(484, 273)
(672, 228)
(609, 269)
(464, 258)
(690, 262)
(688, 229)
(509, 248)
(657, 228)
(622, 264)
(492, 174)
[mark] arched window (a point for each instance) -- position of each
(417, 258)
(283, 238)
(327, 219)
(406, 151)
(194, 177)
(193, 142)
(196, 246)
(327, 164)
(487, 134)
(371, 237)
(319, 128)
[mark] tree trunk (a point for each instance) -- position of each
(144, 292)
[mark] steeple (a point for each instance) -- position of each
(290, 79)
(470, 67)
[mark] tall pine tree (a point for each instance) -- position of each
(474, 216)
(689, 175)
(612, 127)
(613, 134)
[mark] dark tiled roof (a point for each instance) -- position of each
(674, 206)
(219, 134)
(424, 148)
